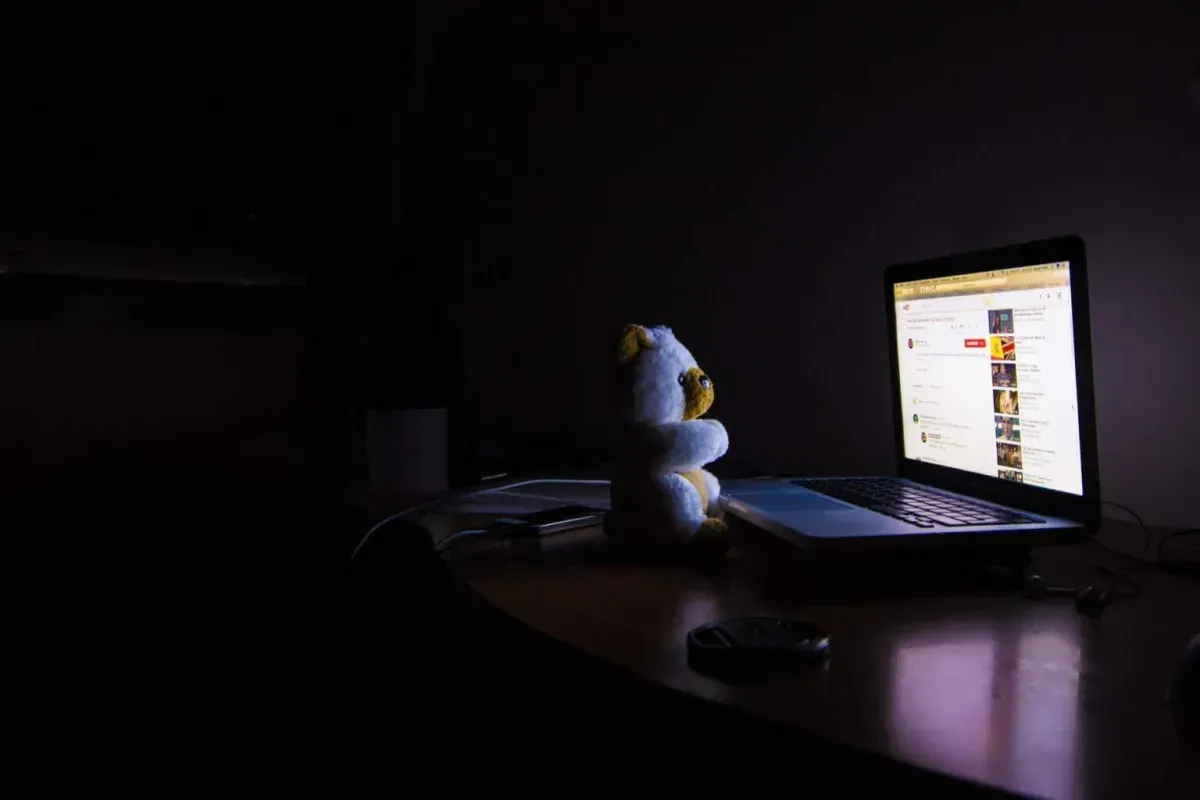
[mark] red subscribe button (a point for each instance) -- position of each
(975, 342)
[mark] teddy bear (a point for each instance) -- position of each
(662, 497)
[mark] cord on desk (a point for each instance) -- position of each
(1122, 584)
(422, 508)
(448, 542)
(1141, 524)
(1157, 562)
(1119, 553)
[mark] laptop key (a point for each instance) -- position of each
(944, 519)
(913, 504)
(909, 518)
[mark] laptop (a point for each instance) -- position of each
(995, 433)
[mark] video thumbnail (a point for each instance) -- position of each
(1008, 429)
(1012, 475)
(1004, 376)
(1002, 348)
(1000, 321)
(1008, 455)
(1006, 401)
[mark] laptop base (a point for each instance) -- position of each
(811, 520)
(861, 573)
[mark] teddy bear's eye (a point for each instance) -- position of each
(705, 382)
(682, 378)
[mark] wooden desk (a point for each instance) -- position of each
(989, 687)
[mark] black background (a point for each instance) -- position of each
(496, 188)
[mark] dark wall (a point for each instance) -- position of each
(745, 178)
(222, 145)
(742, 175)
(191, 131)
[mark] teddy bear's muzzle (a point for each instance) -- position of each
(698, 393)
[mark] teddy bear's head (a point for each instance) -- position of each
(661, 381)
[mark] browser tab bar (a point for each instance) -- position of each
(1040, 276)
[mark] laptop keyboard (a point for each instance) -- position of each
(915, 505)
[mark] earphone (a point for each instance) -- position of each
(1090, 602)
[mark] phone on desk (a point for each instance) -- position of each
(548, 521)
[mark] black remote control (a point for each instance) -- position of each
(754, 644)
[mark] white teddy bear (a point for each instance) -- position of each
(662, 498)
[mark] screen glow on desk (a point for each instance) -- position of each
(1002, 703)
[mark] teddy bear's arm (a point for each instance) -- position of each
(683, 446)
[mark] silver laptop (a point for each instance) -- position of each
(991, 381)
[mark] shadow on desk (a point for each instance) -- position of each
(952, 680)
(468, 685)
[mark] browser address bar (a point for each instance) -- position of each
(977, 283)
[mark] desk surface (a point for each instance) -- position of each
(1025, 696)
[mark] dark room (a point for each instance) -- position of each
(467, 387)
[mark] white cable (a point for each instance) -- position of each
(445, 544)
(469, 493)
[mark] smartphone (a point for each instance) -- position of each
(551, 520)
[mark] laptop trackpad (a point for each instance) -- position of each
(795, 500)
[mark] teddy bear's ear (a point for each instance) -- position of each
(634, 339)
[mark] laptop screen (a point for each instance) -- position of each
(987, 374)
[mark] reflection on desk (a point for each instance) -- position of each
(988, 687)
(971, 703)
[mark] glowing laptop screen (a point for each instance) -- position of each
(987, 374)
